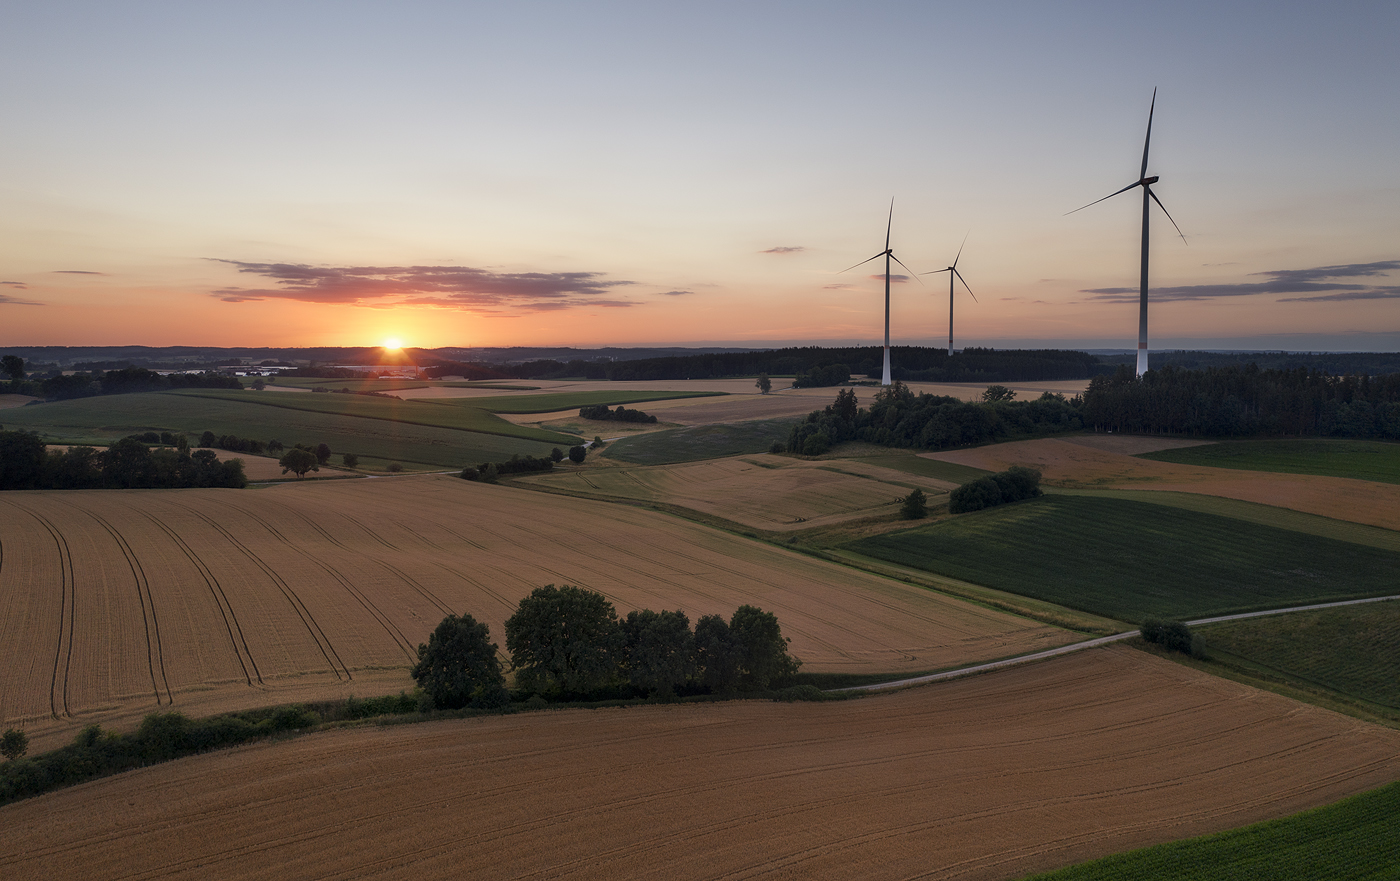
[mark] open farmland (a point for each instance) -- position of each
(699, 442)
(1362, 460)
(762, 491)
(1074, 462)
(984, 778)
(101, 420)
(1132, 560)
(116, 603)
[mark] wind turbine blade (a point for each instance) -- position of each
(863, 262)
(954, 267)
(964, 281)
(1165, 211)
(888, 224)
(935, 271)
(1149, 135)
(1109, 196)
(911, 272)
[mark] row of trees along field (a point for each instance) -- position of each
(1245, 401)
(897, 417)
(568, 643)
(25, 463)
(113, 382)
(913, 363)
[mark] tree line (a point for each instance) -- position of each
(25, 463)
(568, 643)
(601, 413)
(1012, 485)
(113, 382)
(1245, 402)
(899, 418)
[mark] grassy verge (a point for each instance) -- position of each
(1359, 459)
(701, 442)
(1132, 560)
(1353, 839)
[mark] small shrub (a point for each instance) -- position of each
(1173, 636)
(393, 468)
(350, 460)
(14, 744)
(806, 692)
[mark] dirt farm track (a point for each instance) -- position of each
(115, 604)
(984, 778)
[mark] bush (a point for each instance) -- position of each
(914, 506)
(458, 667)
(556, 455)
(350, 460)
(1174, 636)
(816, 444)
(578, 454)
(14, 744)
(393, 468)
(1012, 485)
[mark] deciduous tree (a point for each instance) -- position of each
(458, 667)
(298, 462)
(564, 640)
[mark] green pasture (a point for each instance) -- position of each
(553, 401)
(101, 420)
(1359, 459)
(1353, 650)
(699, 442)
(1355, 839)
(411, 412)
(1133, 560)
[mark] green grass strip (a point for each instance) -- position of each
(1132, 560)
(1358, 459)
(1352, 840)
(699, 442)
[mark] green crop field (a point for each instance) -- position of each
(1133, 560)
(412, 412)
(1363, 460)
(101, 420)
(1353, 650)
(699, 442)
(1358, 838)
(550, 402)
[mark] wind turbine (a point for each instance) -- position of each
(1146, 183)
(952, 273)
(888, 255)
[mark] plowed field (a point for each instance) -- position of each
(985, 778)
(1067, 463)
(767, 492)
(116, 603)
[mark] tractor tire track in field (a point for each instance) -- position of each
(238, 640)
(155, 650)
(395, 634)
(323, 643)
(63, 651)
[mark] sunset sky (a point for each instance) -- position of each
(639, 173)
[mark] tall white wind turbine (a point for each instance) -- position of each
(1146, 183)
(953, 273)
(888, 255)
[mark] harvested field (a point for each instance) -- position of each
(985, 778)
(9, 401)
(763, 491)
(1066, 463)
(116, 603)
(1132, 445)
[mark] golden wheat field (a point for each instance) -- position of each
(984, 778)
(761, 490)
(1072, 463)
(116, 603)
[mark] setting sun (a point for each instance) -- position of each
(393, 343)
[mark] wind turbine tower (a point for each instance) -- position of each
(953, 273)
(1146, 183)
(888, 255)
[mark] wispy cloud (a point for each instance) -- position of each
(7, 300)
(840, 287)
(1318, 283)
(455, 287)
(676, 293)
(784, 249)
(893, 278)
(15, 284)
(76, 272)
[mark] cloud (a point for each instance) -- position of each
(456, 287)
(676, 293)
(840, 287)
(76, 272)
(784, 249)
(1319, 283)
(6, 300)
(16, 284)
(893, 278)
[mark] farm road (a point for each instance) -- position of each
(1088, 644)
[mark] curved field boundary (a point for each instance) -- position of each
(63, 650)
(1087, 644)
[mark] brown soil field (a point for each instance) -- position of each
(1065, 462)
(1132, 445)
(116, 603)
(985, 778)
(762, 491)
(8, 401)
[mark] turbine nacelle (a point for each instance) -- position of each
(1149, 180)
